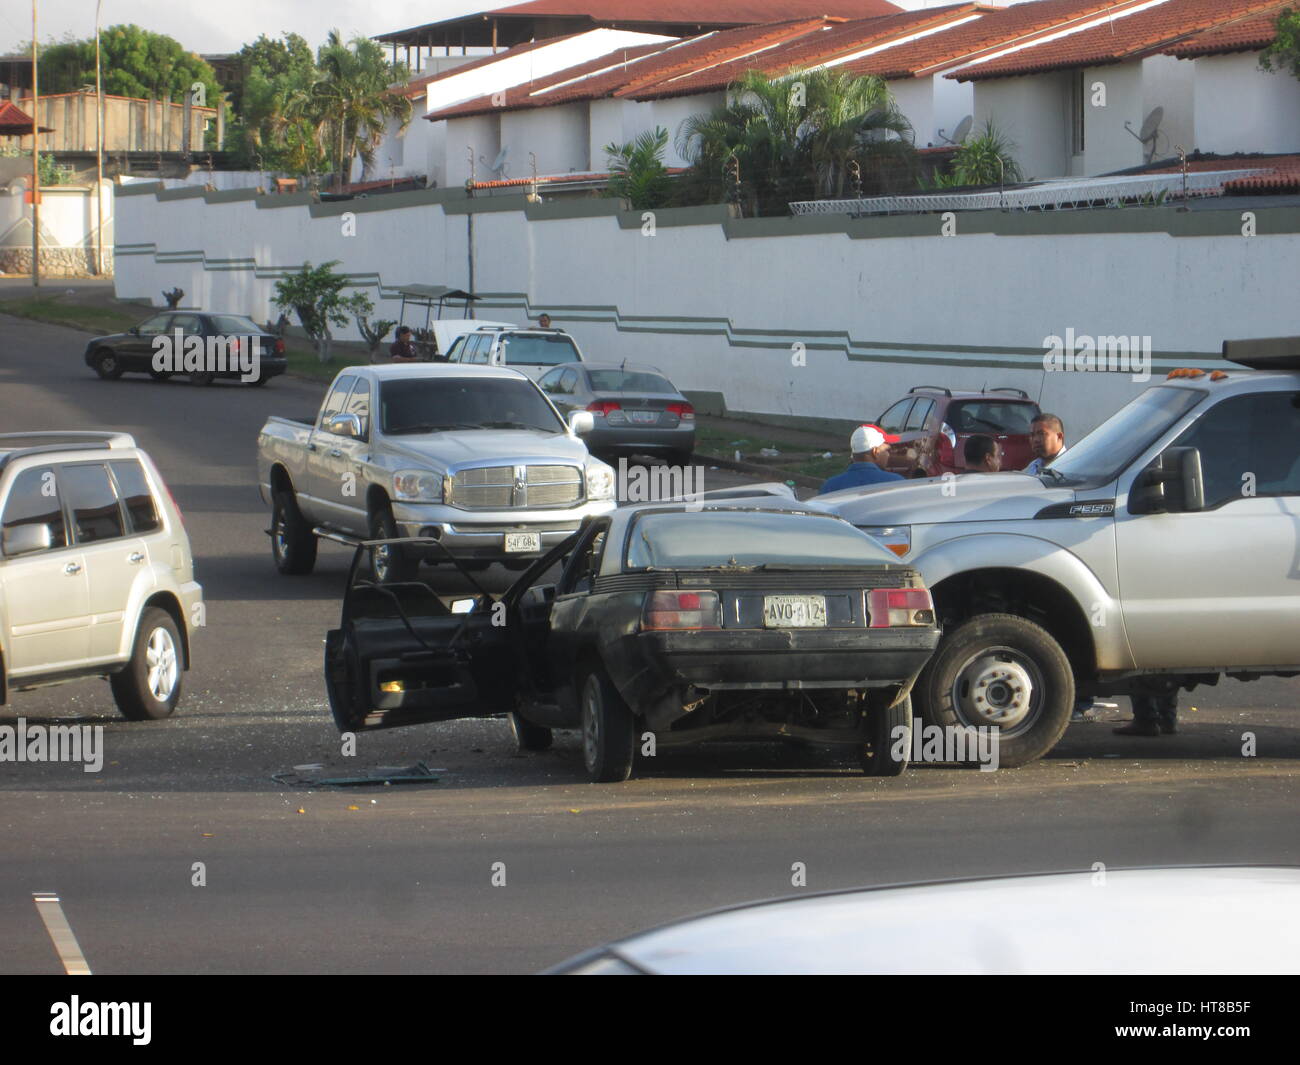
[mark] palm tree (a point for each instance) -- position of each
(352, 100)
(636, 170)
(794, 136)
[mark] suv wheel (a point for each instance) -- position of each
(389, 564)
(150, 686)
(885, 739)
(107, 364)
(608, 736)
(1004, 671)
(529, 737)
(293, 545)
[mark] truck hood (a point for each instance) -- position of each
(967, 497)
(488, 447)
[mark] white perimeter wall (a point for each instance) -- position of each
(931, 293)
(1240, 108)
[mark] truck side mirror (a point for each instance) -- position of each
(1173, 482)
(344, 425)
(581, 422)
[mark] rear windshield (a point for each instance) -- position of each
(991, 416)
(433, 405)
(234, 325)
(717, 539)
(537, 350)
(629, 381)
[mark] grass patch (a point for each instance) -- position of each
(304, 363)
(97, 320)
(714, 441)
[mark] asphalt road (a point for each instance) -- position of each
(400, 878)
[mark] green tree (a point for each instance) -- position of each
(133, 61)
(1284, 53)
(988, 159)
(797, 136)
(315, 295)
(351, 100)
(637, 172)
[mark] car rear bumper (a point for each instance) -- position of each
(786, 659)
(636, 439)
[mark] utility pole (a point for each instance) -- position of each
(36, 163)
(99, 154)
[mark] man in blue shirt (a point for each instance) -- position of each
(870, 448)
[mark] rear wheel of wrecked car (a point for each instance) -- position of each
(529, 737)
(293, 545)
(889, 748)
(389, 563)
(1002, 671)
(608, 733)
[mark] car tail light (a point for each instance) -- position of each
(684, 411)
(947, 445)
(279, 346)
(681, 610)
(603, 406)
(890, 607)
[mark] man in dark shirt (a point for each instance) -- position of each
(983, 454)
(402, 350)
(870, 448)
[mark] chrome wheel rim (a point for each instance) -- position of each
(591, 737)
(1001, 687)
(162, 664)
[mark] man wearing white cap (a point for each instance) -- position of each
(870, 447)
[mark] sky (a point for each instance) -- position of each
(224, 25)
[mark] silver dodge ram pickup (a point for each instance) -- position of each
(1159, 552)
(474, 457)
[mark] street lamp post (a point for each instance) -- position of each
(99, 154)
(36, 163)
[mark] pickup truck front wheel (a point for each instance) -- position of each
(389, 563)
(1003, 671)
(293, 545)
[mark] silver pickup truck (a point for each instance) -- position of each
(474, 457)
(1159, 552)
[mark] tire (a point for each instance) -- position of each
(389, 565)
(160, 375)
(1005, 671)
(108, 365)
(608, 732)
(150, 686)
(293, 545)
(529, 737)
(259, 380)
(202, 378)
(877, 755)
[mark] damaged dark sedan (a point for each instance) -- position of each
(693, 622)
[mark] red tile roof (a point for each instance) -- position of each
(999, 29)
(1244, 35)
(416, 86)
(1115, 40)
(1278, 173)
(13, 120)
(713, 12)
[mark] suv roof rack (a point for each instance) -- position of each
(1018, 391)
(931, 388)
(1266, 353)
(63, 440)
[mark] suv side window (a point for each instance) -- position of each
(892, 420)
(188, 324)
(1248, 441)
(337, 398)
(34, 500)
(133, 487)
(457, 349)
(152, 327)
(92, 501)
(920, 412)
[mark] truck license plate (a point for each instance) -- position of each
(523, 542)
(794, 611)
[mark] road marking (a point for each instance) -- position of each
(65, 943)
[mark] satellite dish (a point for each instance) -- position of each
(499, 163)
(1150, 131)
(962, 131)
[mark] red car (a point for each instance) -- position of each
(933, 425)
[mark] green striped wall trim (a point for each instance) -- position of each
(234, 195)
(138, 188)
(187, 192)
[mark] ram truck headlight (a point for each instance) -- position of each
(898, 538)
(600, 480)
(417, 486)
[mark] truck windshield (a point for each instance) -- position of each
(431, 405)
(1101, 455)
(534, 349)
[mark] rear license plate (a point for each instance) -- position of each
(523, 542)
(644, 417)
(794, 611)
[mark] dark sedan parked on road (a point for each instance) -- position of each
(690, 621)
(199, 345)
(638, 411)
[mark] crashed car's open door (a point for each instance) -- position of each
(400, 656)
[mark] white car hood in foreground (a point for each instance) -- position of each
(1183, 921)
(967, 497)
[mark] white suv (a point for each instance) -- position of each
(96, 576)
(533, 351)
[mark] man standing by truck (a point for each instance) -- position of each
(1047, 440)
(869, 447)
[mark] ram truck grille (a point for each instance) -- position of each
(516, 487)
